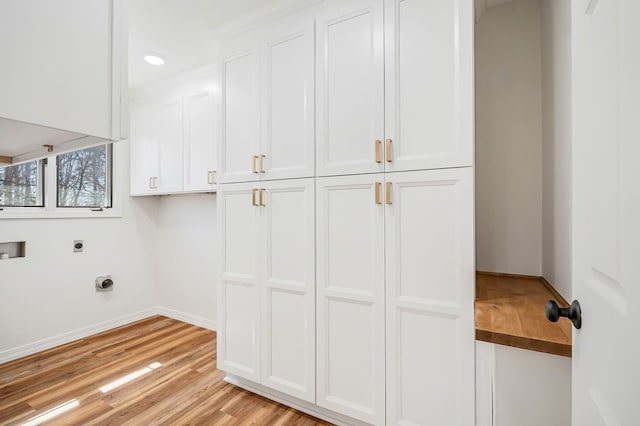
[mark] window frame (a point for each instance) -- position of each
(40, 182)
(50, 187)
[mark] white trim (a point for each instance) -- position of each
(70, 336)
(173, 83)
(298, 404)
(188, 318)
(260, 16)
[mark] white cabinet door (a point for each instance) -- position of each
(288, 107)
(430, 295)
(350, 296)
(169, 124)
(429, 84)
(350, 88)
(199, 139)
(239, 289)
(288, 287)
(239, 135)
(144, 149)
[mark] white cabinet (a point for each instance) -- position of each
(350, 296)
(173, 142)
(350, 88)
(430, 280)
(199, 138)
(407, 106)
(267, 103)
(410, 233)
(267, 291)
(64, 74)
(428, 84)
(156, 147)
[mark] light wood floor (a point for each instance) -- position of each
(186, 388)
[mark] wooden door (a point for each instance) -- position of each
(239, 133)
(429, 84)
(169, 134)
(430, 287)
(239, 280)
(199, 138)
(287, 221)
(350, 296)
(288, 142)
(350, 88)
(606, 211)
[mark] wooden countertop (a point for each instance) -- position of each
(510, 311)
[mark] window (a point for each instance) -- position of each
(73, 184)
(84, 178)
(22, 185)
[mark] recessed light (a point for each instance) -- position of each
(154, 59)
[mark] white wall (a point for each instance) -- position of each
(186, 259)
(49, 295)
(556, 121)
(509, 139)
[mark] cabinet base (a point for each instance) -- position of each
(298, 404)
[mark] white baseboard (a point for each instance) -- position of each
(70, 336)
(188, 318)
(298, 404)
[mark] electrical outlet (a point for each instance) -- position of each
(78, 246)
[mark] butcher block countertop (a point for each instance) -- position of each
(510, 311)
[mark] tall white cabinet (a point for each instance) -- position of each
(390, 286)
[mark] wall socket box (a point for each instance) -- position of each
(78, 246)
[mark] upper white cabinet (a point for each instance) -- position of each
(173, 141)
(267, 103)
(64, 73)
(199, 138)
(350, 88)
(405, 106)
(429, 95)
(267, 290)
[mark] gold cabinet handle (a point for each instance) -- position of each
(261, 162)
(261, 203)
(378, 197)
(388, 193)
(378, 151)
(388, 154)
(253, 164)
(211, 177)
(253, 197)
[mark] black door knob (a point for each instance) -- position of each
(573, 312)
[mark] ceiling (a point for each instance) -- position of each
(179, 30)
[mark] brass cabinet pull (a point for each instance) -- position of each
(378, 197)
(253, 164)
(253, 197)
(378, 151)
(261, 203)
(210, 177)
(261, 168)
(388, 154)
(388, 193)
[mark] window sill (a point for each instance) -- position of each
(57, 214)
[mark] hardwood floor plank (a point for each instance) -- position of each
(186, 388)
